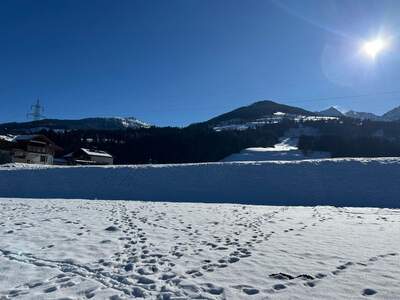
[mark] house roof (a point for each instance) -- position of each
(24, 137)
(69, 155)
(36, 138)
(96, 153)
(30, 137)
(6, 138)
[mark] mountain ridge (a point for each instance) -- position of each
(96, 123)
(257, 110)
(262, 108)
(248, 113)
(393, 114)
(331, 112)
(362, 115)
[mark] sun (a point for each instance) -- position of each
(374, 47)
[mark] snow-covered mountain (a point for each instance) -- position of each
(331, 112)
(100, 123)
(256, 111)
(392, 115)
(269, 112)
(362, 115)
(261, 113)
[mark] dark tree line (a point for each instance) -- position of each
(354, 138)
(200, 143)
(342, 146)
(196, 143)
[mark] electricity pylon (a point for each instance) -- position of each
(36, 111)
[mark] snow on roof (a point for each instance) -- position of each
(69, 155)
(28, 137)
(24, 137)
(96, 153)
(37, 138)
(7, 138)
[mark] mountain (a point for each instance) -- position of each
(362, 115)
(392, 115)
(330, 112)
(111, 123)
(258, 110)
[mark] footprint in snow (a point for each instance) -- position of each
(368, 292)
(279, 287)
(112, 228)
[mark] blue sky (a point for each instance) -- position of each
(180, 61)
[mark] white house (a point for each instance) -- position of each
(31, 149)
(84, 156)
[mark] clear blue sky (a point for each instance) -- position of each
(180, 61)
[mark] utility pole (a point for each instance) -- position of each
(36, 111)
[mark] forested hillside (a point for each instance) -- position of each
(260, 124)
(200, 143)
(195, 143)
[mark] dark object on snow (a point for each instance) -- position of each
(112, 228)
(368, 292)
(281, 276)
(128, 267)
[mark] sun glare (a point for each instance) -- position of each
(374, 47)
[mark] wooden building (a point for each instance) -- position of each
(30, 149)
(84, 156)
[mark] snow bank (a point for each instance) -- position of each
(340, 182)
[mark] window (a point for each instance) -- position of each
(43, 159)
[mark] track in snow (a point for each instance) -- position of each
(70, 249)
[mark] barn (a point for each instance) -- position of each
(84, 156)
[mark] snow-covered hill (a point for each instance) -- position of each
(340, 182)
(105, 123)
(77, 249)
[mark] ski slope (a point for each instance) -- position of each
(88, 249)
(286, 149)
(370, 182)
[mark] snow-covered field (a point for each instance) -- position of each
(370, 182)
(56, 248)
(81, 249)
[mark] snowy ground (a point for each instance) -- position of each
(80, 249)
(286, 149)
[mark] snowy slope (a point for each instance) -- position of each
(76, 249)
(340, 182)
(284, 150)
